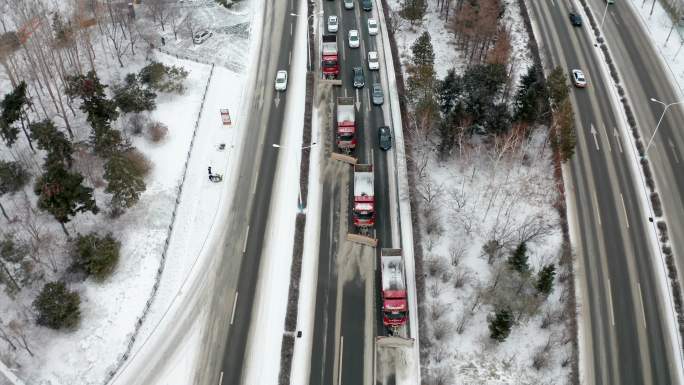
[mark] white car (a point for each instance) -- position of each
(373, 63)
(578, 79)
(348, 4)
(372, 27)
(281, 80)
(201, 36)
(354, 41)
(332, 23)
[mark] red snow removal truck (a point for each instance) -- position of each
(346, 125)
(329, 63)
(364, 196)
(394, 300)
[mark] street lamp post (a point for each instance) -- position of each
(659, 120)
(300, 204)
(308, 47)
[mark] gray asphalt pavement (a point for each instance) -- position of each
(623, 311)
(346, 319)
(226, 338)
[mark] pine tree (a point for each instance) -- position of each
(528, 98)
(61, 193)
(57, 306)
(125, 181)
(10, 111)
(518, 260)
(163, 78)
(500, 325)
(413, 10)
(53, 141)
(498, 119)
(423, 54)
(13, 178)
(132, 97)
(557, 86)
(545, 279)
(448, 91)
(96, 255)
(565, 139)
(481, 84)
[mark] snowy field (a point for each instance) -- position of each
(111, 309)
(504, 191)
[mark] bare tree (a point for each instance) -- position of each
(18, 327)
(160, 10)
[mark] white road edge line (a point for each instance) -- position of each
(641, 300)
(610, 304)
(624, 210)
(339, 371)
(244, 246)
(596, 205)
(221, 379)
(232, 315)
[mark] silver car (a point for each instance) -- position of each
(377, 95)
(348, 4)
(332, 23)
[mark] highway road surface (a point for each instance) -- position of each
(623, 309)
(347, 315)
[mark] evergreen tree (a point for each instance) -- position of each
(518, 260)
(163, 78)
(528, 98)
(132, 97)
(557, 86)
(497, 119)
(61, 193)
(96, 255)
(545, 279)
(448, 91)
(125, 181)
(53, 141)
(57, 306)
(449, 129)
(423, 54)
(413, 10)
(500, 325)
(13, 178)
(11, 108)
(565, 139)
(481, 84)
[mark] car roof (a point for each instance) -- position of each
(377, 86)
(281, 73)
(332, 17)
(384, 129)
(373, 54)
(372, 20)
(353, 32)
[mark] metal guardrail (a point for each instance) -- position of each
(124, 356)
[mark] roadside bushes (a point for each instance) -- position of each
(57, 306)
(95, 255)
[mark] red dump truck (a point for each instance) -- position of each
(394, 299)
(346, 125)
(363, 212)
(329, 62)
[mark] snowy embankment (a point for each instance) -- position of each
(501, 190)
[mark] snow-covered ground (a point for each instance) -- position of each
(484, 192)
(111, 309)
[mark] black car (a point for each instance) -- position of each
(359, 81)
(384, 138)
(575, 19)
(367, 5)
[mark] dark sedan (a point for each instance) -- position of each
(575, 19)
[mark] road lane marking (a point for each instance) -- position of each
(674, 152)
(232, 315)
(368, 105)
(244, 246)
(608, 138)
(593, 132)
(624, 210)
(221, 379)
(289, 58)
(290, 29)
(596, 205)
(255, 183)
(617, 138)
(339, 371)
(641, 300)
(610, 305)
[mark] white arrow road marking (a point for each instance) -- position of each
(221, 379)
(358, 101)
(593, 132)
(674, 151)
(617, 138)
(277, 99)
